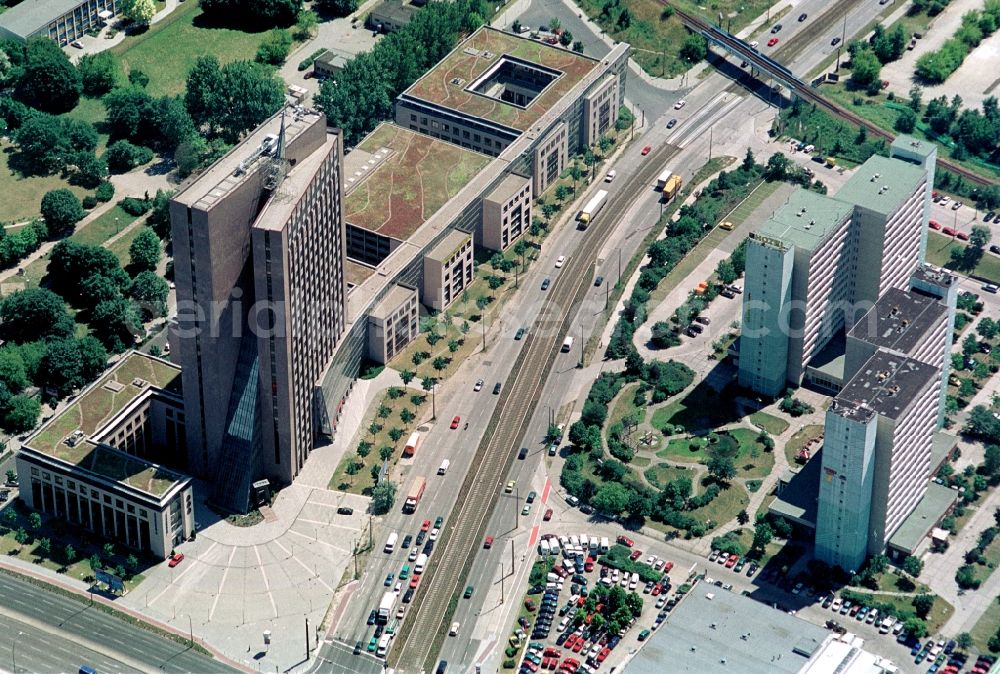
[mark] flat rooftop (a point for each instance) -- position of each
(457, 81)
(507, 188)
(391, 301)
(395, 179)
(936, 501)
(26, 17)
(799, 497)
(805, 220)
(899, 320)
(713, 630)
(884, 385)
(881, 184)
(99, 404)
(355, 273)
(245, 160)
(936, 276)
(448, 245)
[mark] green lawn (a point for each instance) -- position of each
(770, 423)
(624, 406)
(723, 507)
(92, 110)
(987, 626)
(683, 449)
(800, 439)
(752, 461)
(939, 252)
(700, 410)
(169, 48)
(99, 230)
(121, 245)
(660, 474)
(21, 197)
(739, 214)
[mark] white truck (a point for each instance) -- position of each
(385, 606)
(418, 566)
(390, 543)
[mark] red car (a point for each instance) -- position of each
(961, 236)
(773, 41)
(529, 604)
(548, 515)
(455, 422)
(577, 645)
(948, 231)
(934, 224)
(657, 589)
(175, 559)
(588, 566)
(426, 526)
(669, 565)
(646, 150)
(636, 554)
(413, 582)
(488, 543)
(530, 665)
(731, 562)
(626, 541)
(602, 656)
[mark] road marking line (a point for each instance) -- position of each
(267, 585)
(222, 583)
(326, 524)
(316, 540)
(283, 548)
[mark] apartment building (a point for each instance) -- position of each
(797, 289)
(876, 456)
(99, 463)
(506, 213)
(259, 250)
(821, 263)
(448, 270)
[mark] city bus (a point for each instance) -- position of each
(592, 208)
(412, 445)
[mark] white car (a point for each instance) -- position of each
(560, 261)
(478, 386)
(454, 630)
(680, 104)
(434, 534)
(412, 557)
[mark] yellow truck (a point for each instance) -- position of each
(672, 186)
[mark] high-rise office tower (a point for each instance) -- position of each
(259, 265)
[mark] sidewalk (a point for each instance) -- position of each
(94, 45)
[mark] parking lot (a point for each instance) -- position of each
(589, 599)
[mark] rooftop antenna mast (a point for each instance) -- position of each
(277, 167)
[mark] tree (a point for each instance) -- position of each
(34, 313)
(906, 122)
(144, 251)
(453, 345)
(762, 535)
(578, 47)
(69, 553)
(306, 25)
(922, 604)
(980, 423)
(612, 498)
(383, 497)
(915, 627)
(988, 328)
(964, 641)
(991, 460)
(61, 210)
(694, 49)
(150, 293)
(258, 14)
(49, 81)
(139, 12)
(45, 545)
(721, 468)
(566, 38)
(21, 536)
(232, 99)
(563, 192)
(116, 323)
(122, 156)
(273, 50)
(966, 578)
(98, 72)
(95, 562)
(913, 566)
(21, 414)
(385, 451)
(777, 167)
(865, 68)
(407, 376)
(337, 7)
(34, 521)
(12, 371)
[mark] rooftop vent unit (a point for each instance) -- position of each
(882, 376)
(457, 81)
(74, 438)
(140, 383)
(487, 54)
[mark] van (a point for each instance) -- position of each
(611, 176)
(594, 544)
(572, 500)
(584, 541)
(991, 288)
(418, 566)
(390, 543)
(574, 540)
(604, 544)
(567, 346)
(443, 468)
(544, 549)
(633, 581)
(383, 646)
(554, 546)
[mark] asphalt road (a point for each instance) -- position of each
(63, 633)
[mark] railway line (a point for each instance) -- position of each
(480, 492)
(802, 89)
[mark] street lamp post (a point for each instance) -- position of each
(13, 651)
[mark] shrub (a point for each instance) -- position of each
(89, 202)
(134, 206)
(105, 191)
